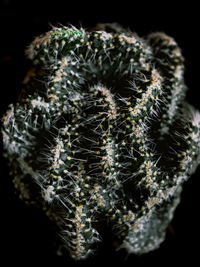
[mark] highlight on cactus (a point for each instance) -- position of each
(101, 133)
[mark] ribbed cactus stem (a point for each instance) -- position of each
(101, 130)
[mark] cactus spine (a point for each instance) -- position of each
(102, 130)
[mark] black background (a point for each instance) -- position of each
(26, 234)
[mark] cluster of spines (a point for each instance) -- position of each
(93, 121)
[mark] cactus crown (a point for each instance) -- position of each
(101, 130)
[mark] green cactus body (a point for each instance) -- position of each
(101, 130)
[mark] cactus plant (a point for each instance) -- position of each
(102, 132)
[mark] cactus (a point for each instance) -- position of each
(101, 132)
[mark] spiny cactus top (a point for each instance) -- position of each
(101, 132)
